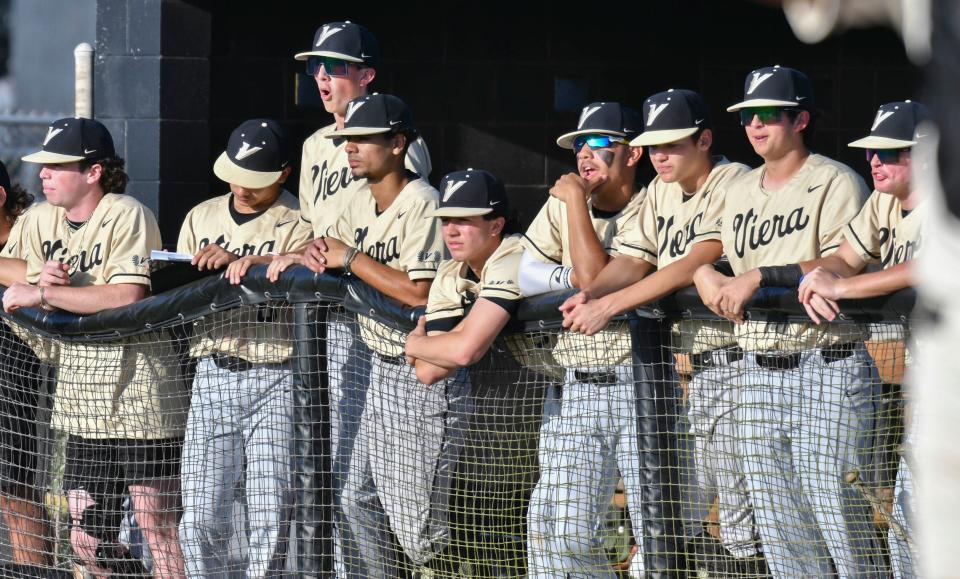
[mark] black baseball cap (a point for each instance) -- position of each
(895, 126)
(672, 115)
(604, 118)
(256, 155)
(344, 40)
(776, 86)
(375, 114)
(471, 193)
(74, 139)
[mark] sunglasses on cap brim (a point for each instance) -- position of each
(333, 66)
(597, 141)
(886, 156)
(766, 115)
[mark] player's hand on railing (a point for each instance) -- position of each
(819, 291)
(587, 316)
(280, 263)
(335, 253)
(238, 268)
(54, 273)
(709, 282)
(21, 295)
(735, 294)
(313, 257)
(212, 257)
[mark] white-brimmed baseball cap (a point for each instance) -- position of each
(604, 118)
(73, 139)
(895, 126)
(345, 40)
(471, 193)
(672, 115)
(256, 155)
(776, 86)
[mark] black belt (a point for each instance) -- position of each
(717, 357)
(607, 377)
(231, 363)
(830, 354)
(400, 360)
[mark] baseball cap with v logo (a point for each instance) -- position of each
(346, 41)
(256, 155)
(672, 115)
(375, 114)
(776, 86)
(74, 139)
(604, 118)
(895, 126)
(471, 193)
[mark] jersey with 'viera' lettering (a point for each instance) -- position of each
(326, 184)
(884, 233)
(802, 220)
(278, 229)
(405, 237)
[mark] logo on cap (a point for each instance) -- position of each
(327, 33)
(352, 108)
(882, 115)
(451, 188)
(585, 115)
(245, 151)
(758, 79)
(655, 110)
(51, 133)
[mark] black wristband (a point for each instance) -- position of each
(781, 276)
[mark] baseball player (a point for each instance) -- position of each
(388, 238)
(657, 256)
(343, 60)
(806, 393)
(20, 501)
(886, 232)
(240, 423)
(87, 249)
(473, 297)
(589, 427)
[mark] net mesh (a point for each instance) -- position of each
(289, 437)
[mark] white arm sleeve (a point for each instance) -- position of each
(536, 277)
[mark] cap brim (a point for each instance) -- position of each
(461, 211)
(356, 132)
(662, 137)
(226, 170)
(761, 103)
(873, 142)
(46, 157)
(340, 55)
(566, 141)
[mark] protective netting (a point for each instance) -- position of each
(277, 430)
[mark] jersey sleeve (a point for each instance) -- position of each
(445, 308)
(863, 232)
(306, 191)
(543, 237)
(134, 236)
(638, 238)
(15, 248)
(499, 283)
(187, 241)
(422, 247)
(840, 206)
(302, 234)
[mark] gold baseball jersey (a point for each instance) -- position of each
(800, 221)
(548, 239)
(883, 233)
(669, 223)
(457, 287)
(238, 332)
(130, 388)
(326, 184)
(405, 237)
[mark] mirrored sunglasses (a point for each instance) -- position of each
(333, 66)
(596, 142)
(766, 115)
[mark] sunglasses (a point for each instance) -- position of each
(596, 142)
(766, 115)
(333, 66)
(886, 156)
